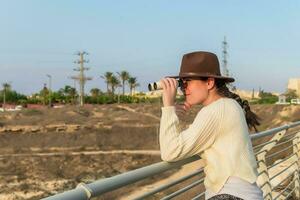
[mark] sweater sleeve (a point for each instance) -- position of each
(200, 135)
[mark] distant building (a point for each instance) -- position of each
(294, 84)
(245, 94)
(282, 100)
(295, 101)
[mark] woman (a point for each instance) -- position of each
(219, 132)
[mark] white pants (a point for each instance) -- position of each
(238, 187)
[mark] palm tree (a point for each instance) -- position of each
(44, 93)
(72, 94)
(115, 82)
(6, 88)
(68, 93)
(133, 84)
(124, 76)
(95, 92)
(107, 77)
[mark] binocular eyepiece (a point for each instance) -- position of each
(158, 85)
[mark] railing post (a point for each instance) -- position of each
(296, 147)
(264, 179)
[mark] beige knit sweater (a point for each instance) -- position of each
(219, 134)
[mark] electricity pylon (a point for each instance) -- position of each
(81, 78)
(225, 62)
(225, 55)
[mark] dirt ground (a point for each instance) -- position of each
(46, 151)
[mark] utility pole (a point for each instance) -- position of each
(6, 87)
(225, 62)
(81, 78)
(4, 99)
(225, 55)
(50, 89)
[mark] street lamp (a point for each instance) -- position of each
(50, 90)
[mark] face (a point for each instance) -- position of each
(197, 91)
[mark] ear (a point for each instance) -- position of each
(210, 83)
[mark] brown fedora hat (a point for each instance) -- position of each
(201, 64)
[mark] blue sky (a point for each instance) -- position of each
(148, 39)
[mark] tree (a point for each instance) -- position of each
(133, 84)
(72, 94)
(252, 96)
(6, 88)
(124, 76)
(290, 94)
(267, 97)
(69, 93)
(115, 82)
(95, 92)
(44, 93)
(107, 77)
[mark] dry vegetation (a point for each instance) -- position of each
(50, 150)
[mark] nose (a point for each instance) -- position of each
(187, 91)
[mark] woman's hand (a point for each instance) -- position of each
(169, 86)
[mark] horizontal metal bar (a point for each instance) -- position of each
(268, 182)
(263, 144)
(268, 194)
(282, 171)
(284, 142)
(294, 154)
(168, 185)
(259, 152)
(198, 196)
(118, 181)
(289, 176)
(278, 152)
(289, 194)
(75, 194)
(109, 184)
(284, 189)
(276, 145)
(182, 190)
(289, 134)
(274, 130)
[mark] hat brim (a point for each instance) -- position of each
(225, 78)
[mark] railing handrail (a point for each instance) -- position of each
(86, 191)
(274, 130)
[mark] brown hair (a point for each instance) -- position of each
(251, 118)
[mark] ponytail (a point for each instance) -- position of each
(251, 118)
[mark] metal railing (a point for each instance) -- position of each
(278, 167)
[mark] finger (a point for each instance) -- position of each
(187, 105)
(171, 83)
(168, 82)
(163, 83)
(175, 82)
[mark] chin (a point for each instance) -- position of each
(190, 102)
(193, 102)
